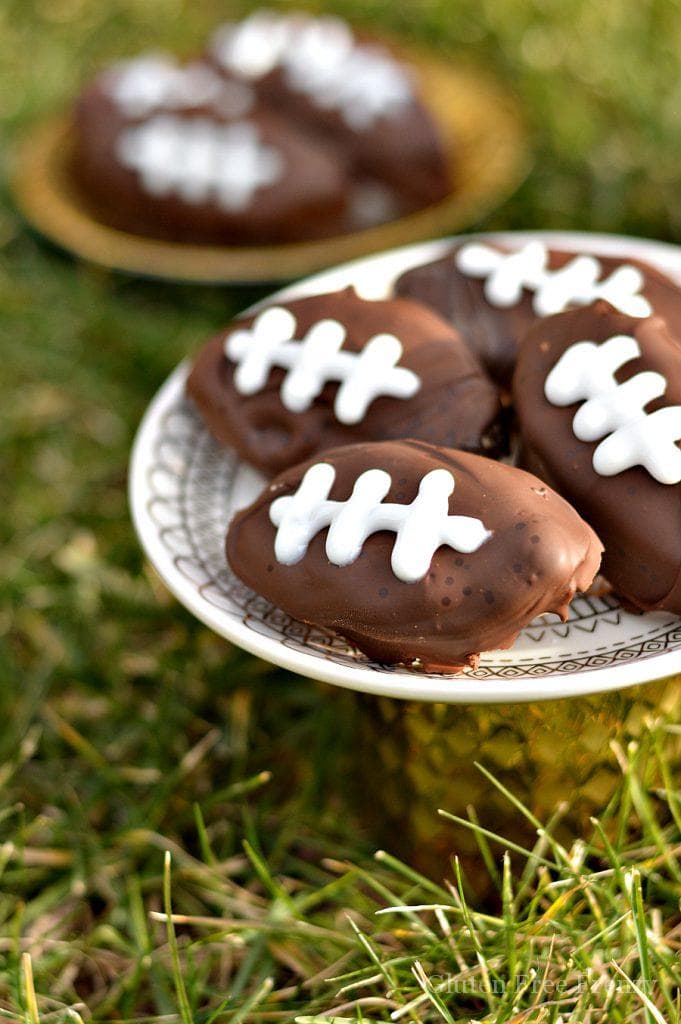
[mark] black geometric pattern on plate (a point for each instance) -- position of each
(192, 495)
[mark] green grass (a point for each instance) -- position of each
(178, 840)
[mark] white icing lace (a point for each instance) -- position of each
(200, 160)
(575, 284)
(617, 412)
(421, 527)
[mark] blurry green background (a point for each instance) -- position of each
(122, 715)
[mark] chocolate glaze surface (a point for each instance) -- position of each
(457, 404)
(637, 518)
(540, 553)
(493, 332)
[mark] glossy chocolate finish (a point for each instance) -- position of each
(540, 553)
(457, 404)
(637, 518)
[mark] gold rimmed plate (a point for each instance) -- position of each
(486, 144)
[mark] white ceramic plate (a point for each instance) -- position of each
(184, 489)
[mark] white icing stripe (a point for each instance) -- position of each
(320, 58)
(155, 82)
(575, 284)
(314, 361)
(586, 372)
(200, 160)
(360, 82)
(421, 527)
(255, 46)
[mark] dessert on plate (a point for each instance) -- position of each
(313, 373)
(289, 128)
(598, 398)
(392, 521)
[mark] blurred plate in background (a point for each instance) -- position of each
(479, 122)
(184, 489)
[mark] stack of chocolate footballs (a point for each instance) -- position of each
(390, 517)
(288, 127)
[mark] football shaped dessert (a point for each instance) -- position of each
(418, 555)
(316, 372)
(349, 89)
(493, 295)
(598, 397)
(181, 153)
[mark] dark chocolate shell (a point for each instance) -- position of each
(530, 553)
(637, 517)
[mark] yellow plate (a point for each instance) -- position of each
(486, 143)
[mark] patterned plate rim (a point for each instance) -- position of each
(406, 685)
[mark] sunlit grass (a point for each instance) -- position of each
(150, 927)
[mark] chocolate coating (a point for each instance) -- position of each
(637, 518)
(539, 555)
(457, 404)
(493, 332)
(307, 200)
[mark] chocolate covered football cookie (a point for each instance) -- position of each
(346, 87)
(598, 397)
(494, 295)
(180, 152)
(331, 369)
(418, 555)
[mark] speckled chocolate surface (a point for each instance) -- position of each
(540, 553)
